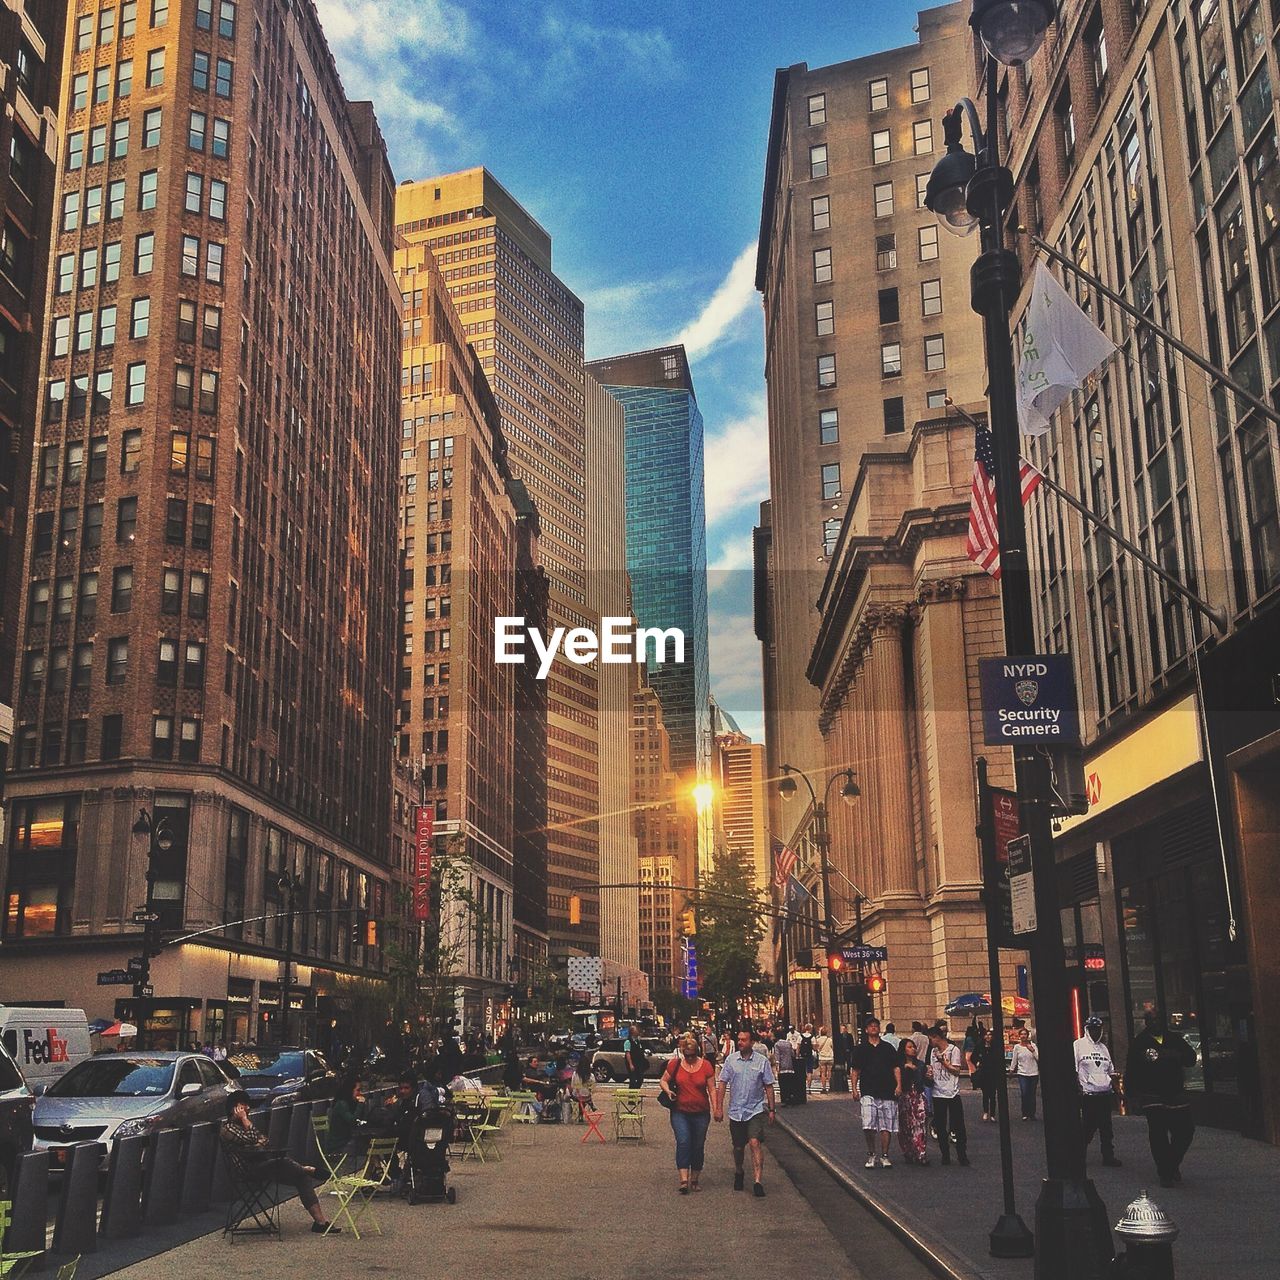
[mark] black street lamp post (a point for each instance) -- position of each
(1073, 1238)
(159, 840)
(290, 884)
(822, 838)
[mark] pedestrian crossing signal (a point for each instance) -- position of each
(875, 983)
(835, 961)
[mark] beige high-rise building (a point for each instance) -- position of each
(667, 840)
(609, 596)
(741, 796)
(867, 320)
(526, 327)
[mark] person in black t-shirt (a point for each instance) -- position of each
(877, 1082)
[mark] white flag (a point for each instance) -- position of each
(1061, 346)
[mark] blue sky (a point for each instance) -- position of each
(636, 136)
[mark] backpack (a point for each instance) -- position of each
(639, 1054)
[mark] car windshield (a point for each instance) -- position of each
(111, 1076)
(267, 1063)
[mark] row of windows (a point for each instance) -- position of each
(72, 666)
(68, 527)
(159, 11)
(886, 253)
(75, 470)
(930, 305)
(55, 599)
(877, 93)
(935, 360)
(107, 261)
(881, 148)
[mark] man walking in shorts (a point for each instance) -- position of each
(748, 1077)
(877, 1084)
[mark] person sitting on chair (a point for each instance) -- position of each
(247, 1148)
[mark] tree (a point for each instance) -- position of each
(731, 926)
(425, 971)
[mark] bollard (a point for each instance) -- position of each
(122, 1202)
(162, 1187)
(76, 1230)
(299, 1131)
(30, 1203)
(278, 1128)
(1147, 1233)
(197, 1168)
(220, 1190)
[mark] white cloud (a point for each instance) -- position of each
(574, 43)
(736, 463)
(735, 669)
(620, 317)
(734, 554)
(737, 292)
(382, 48)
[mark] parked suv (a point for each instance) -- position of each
(16, 1104)
(610, 1062)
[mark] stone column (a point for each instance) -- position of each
(895, 828)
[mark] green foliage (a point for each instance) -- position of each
(731, 926)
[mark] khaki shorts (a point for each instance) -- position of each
(743, 1131)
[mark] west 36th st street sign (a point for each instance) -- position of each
(1028, 700)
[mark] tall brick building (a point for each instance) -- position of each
(31, 34)
(457, 710)
(208, 630)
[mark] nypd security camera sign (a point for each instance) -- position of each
(1028, 701)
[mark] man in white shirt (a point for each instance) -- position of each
(1095, 1073)
(748, 1076)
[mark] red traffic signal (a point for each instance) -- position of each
(875, 983)
(835, 961)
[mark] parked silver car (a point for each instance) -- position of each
(610, 1061)
(117, 1095)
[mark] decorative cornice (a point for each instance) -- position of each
(942, 590)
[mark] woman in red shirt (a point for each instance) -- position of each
(689, 1081)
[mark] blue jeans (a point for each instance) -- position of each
(690, 1128)
(1027, 1086)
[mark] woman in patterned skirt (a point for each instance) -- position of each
(911, 1116)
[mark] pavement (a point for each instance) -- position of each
(1225, 1206)
(561, 1210)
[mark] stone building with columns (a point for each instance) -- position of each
(905, 617)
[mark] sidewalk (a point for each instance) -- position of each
(1225, 1208)
(555, 1211)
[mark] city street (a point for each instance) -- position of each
(952, 1210)
(575, 1212)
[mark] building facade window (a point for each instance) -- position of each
(829, 426)
(931, 297)
(826, 318)
(886, 252)
(830, 480)
(882, 199)
(895, 420)
(888, 306)
(891, 359)
(818, 161)
(821, 210)
(878, 94)
(817, 108)
(935, 356)
(826, 372)
(821, 266)
(881, 146)
(920, 85)
(927, 242)
(922, 137)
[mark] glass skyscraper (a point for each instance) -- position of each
(667, 533)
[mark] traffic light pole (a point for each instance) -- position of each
(822, 837)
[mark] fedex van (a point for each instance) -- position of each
(45, 1043)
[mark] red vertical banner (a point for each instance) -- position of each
(424, 836)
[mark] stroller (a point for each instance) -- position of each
(427, 1151)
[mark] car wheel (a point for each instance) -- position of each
(602, 1072)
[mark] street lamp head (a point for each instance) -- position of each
(850, 791)
(142, 826)
(1012, 30)
(945, 194)
(786, 784)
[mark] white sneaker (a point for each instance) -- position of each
(871, 1163)
(885, 1162)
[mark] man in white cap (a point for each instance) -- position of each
(1096, 1073)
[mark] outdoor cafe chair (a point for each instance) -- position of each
(628, 1114)
(332, 1161)
(253, 1208)
(360, 1188)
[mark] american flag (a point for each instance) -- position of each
(783, 861)
(983, 543)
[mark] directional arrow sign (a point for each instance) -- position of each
(145, 917)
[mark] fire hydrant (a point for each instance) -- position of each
(1147, 1233)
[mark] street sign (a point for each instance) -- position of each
(865, 955)
(115, 978)
(145, 917)
(1028, 701)
(148, 991)
(135, 964)
(1004, 825)
(1022, 885)
(806, 975)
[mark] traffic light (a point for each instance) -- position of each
(575, 909)
(370, 933)
(875, 984)
(688, 922)
(835, 961)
